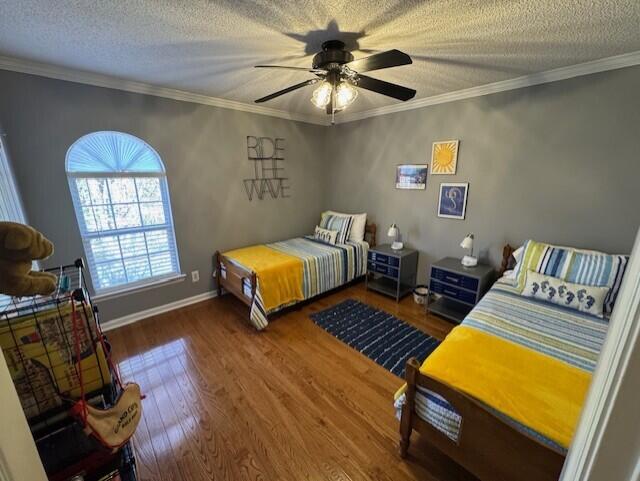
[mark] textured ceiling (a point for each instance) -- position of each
(209, 47)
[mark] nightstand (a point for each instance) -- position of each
(391, 272)
(459, 287)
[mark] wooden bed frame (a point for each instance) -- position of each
(487, 446)
(236, 275)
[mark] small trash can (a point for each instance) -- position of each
(420, 294)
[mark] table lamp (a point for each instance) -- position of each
(395, 233)
(468, 260)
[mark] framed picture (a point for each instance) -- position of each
(444, 157)
(412, 176)
(452, 202)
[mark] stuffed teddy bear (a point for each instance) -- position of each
(19, 246)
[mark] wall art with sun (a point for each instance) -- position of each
(444, 157)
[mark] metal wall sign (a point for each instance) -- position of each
(269, 179)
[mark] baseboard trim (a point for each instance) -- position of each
(154, 311)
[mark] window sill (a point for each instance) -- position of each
(126, 290)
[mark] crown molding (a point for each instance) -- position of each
(99, 80)
(562, 73)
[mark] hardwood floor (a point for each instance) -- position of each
(226, 402)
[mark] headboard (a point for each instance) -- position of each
(370, 231)
(508, 261)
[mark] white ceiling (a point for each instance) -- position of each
(209, 47)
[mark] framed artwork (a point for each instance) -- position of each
(444, 157)
(452, 202)
(412, 176)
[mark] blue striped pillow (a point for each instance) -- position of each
(340, 223)
(593, 268)
(544, 259)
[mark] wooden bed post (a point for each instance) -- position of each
(371, 230)
(406, 422)
(507, 260)
(217, 267)
(254, 285)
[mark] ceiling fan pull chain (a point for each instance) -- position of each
(333, 107)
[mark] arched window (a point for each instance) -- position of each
(121, 198)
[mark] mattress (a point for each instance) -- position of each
(563, 334)
(324, 267)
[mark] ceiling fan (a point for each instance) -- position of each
(339, 75)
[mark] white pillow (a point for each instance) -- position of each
(510, 276)
(357, 227)
(583, 298)
(325, 235)
(517, 254)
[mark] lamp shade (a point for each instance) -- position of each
(393, 231)
(467, 242)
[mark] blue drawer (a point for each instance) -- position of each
(455, 279)
(386, 270)
(452, 292)
(383, 259)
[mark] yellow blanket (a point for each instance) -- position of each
(538, 391)
(279, 274)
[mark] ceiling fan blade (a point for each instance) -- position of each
(287, 90)
(385, 88)
(285, 67)
(390, 58)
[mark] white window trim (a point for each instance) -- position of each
(101, 175)
(122, 289)
(140, 286)
(143, 284)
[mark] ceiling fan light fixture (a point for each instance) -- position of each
(322, 95)
(345, 95)
(339, 77)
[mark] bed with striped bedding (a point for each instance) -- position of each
(324, 267)
(563, 334)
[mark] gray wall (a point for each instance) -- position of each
(556, 162)
(203, 149)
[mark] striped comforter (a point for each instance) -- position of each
(325, 267)
(555, 331)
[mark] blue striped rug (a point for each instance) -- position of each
(378, 335)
